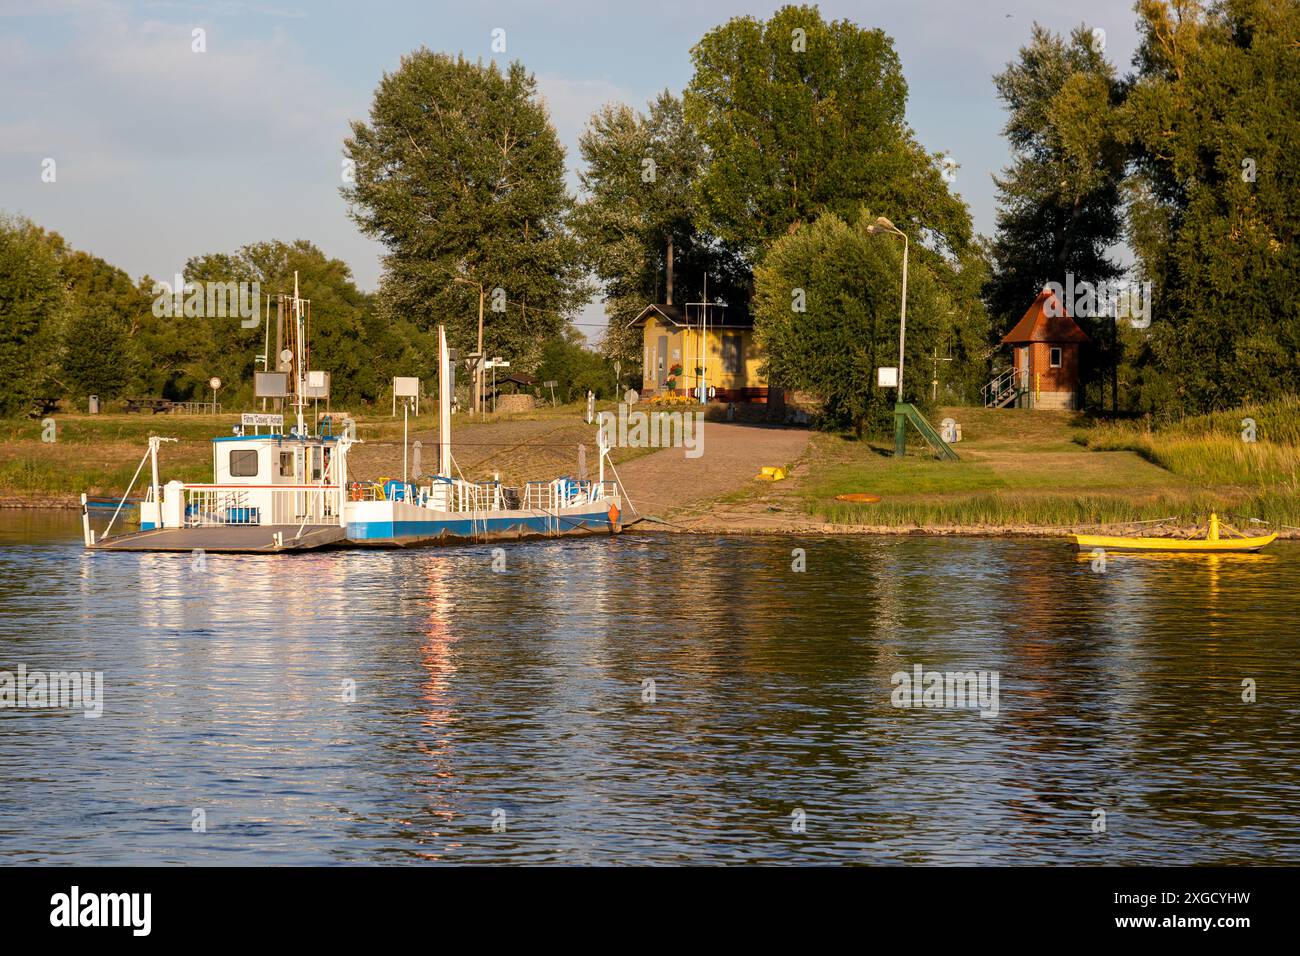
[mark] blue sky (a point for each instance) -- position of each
(163, 153)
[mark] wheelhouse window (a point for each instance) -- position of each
(243, 464)
(1054, 358)
(286, 464)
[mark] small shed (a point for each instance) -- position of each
(518, 382)
(1045, 357)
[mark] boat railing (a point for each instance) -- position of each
(209, 506)
(366, 491)
(566, 493)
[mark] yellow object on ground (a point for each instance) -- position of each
(769, 473)
(1212, 543)
(859, 498)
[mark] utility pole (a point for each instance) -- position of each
(882, 225)
(934, 373)
(478, 364)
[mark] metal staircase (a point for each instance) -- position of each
(1005, 389)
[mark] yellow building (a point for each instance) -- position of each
(684, 349)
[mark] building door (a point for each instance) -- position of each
(660, 378)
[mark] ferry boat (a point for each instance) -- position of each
(274, 491)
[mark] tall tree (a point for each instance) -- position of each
(98, 355)
(636, 219)
(842, 324)
(1215, 199)
(1059, 201)
(800, 117)
(459, 173)
(33, 305)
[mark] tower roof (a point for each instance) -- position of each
(1044, 323)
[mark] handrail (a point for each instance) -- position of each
(1003, 385)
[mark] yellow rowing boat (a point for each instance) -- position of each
(1213, 542)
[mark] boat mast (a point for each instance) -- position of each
(444, 405)
(299, 348)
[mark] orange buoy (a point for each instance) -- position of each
(860, 499)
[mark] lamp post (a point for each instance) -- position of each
(883, 225)
(478, 365)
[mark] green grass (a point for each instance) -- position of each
(1057, 470)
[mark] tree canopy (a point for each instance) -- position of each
(638, 212)
(1059, 200)
(1214, 200)
(827, 316)
(460, 175)
(799, 117)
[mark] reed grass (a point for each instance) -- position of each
(1061, 512)
(1213, 449)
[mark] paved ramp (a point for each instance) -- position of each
(667, 482)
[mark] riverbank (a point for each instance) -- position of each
(1022, 473)
(1025, 473)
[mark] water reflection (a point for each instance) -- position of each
(394, 706)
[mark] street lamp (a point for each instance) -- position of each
(883, 225)
(478, 365)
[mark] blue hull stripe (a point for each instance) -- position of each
(469, 528)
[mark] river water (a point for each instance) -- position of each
(650, 699)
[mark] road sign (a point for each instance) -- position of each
(318, 385)
(270, 384)
(406, 387)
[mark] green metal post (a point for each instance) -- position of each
(900, 430)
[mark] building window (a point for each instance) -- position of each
(731, 349)
(243, 464)
(1054, 358)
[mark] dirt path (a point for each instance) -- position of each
(667, 483)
